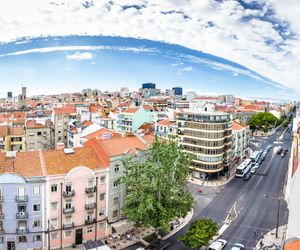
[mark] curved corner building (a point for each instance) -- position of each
(209, 137)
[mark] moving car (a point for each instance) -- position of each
(217, 245)
(238, 246)
(279, 150)
(247, 176)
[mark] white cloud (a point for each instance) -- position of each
(206, 25)
(189, 68)
(80, 56)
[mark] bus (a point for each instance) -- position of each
(255, 156)
(243, 169)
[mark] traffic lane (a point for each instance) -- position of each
(258, 212)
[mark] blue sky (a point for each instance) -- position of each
(65, 64)
(245, 47)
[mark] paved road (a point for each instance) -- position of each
(254, 201)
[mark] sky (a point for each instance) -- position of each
(247, 48)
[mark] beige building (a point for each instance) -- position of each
(209, 137)
(61, 118)
(15, 140)
(39, 136)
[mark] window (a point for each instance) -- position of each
(90, 216)
(117, 168)
(54, 236)
(68, 234)
(102, 196)
(116, 200)
(39, 133)
(116, 183)
(89, 230)
(1, 239)
(101, 225)
(37, 237)
(54, 188)
(36, 223)
(22, 239)
(115, 213)
(90, 199)
(21, 191)
(53, 206)
(102, 212)
(68, 220)
(31, 134)
(36, 207)
(36, 190)
(102, 179)
(68, 187)
(53, 222)
(1, 209)
(22, 208)
(68, 204)
(90, 183)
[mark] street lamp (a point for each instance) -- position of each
(278, 208)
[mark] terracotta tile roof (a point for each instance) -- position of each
(115, 147)
(57, 162)
(165, 122)
(130, 111)
(3, 131)
(65, 110)
(33, 124)
(25, 163)
(86, 123)
(100, 133)
(148, 107)
(16, 131)
(237, 126)
(292, 244)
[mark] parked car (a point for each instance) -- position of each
(257, 166)
(217, 245)
(282, 153)
(238, 246)
(253, 170)
(247, 176)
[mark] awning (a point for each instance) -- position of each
(122, 227)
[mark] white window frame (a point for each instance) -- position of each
(34, 190)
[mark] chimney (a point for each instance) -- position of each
(60, 145)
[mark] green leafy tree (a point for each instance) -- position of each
(263, 121)
(200, 233)
(157, 190)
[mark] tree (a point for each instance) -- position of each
(200, 233)
(263, 121)
(157, 190)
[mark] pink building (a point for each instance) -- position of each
(75, 196)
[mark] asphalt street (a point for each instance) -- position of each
(252, 203)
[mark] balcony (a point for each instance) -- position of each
(90, 206)
(22, 230)
(1, 216)
(2, 231)
(22, 215)
(68, 194)
(68, 210)
(90, 221)
(89, 190)
(1, 198)
(68, 225)
(21, 198)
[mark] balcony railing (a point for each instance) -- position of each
(89, 190)
(90, 206)
(68, 194)
(90, 221)
(68, 225)
(22, 230)
(68, 210)
(21, 198)
(22, 215)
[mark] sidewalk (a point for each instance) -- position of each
(182, 223)
(212, 183)
(270, 241)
